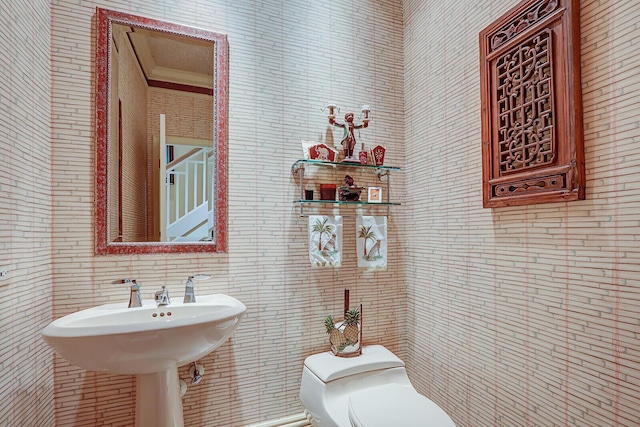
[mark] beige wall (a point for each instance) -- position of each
(522, 316)
(511, 317)
(26, 212)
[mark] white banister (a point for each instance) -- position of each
(163, 182)
(189, 205)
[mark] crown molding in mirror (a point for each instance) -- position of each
(105, 19)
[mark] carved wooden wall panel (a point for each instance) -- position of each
(532, 135)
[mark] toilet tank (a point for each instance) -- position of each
(327, 380)
(328, 367)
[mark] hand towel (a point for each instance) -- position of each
(325, 240)
(371, 242)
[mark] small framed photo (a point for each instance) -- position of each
(374, 195)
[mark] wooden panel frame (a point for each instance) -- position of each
(532, 133)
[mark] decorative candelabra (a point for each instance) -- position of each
(348, 139)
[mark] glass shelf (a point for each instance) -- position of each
(341, 165)
(338, 202)
(298, 168)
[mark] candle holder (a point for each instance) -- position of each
(366, 110)
(332, 107)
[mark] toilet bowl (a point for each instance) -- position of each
(371, 390)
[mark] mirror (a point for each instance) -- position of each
(161, 136)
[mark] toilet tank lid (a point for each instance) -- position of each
(328, 367)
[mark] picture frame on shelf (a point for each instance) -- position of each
(374, 195)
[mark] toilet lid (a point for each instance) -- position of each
(395, 405)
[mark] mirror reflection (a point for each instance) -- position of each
(161, 136)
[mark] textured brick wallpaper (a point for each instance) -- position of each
(522, 316)
(287, 59)
(26, 211)
(507, 317)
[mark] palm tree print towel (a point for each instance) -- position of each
(371, 238)
(325, 240)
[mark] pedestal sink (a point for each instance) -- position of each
(149, 342)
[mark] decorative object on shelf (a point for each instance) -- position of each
(363, 156)
(371, 242)
(325, 240)
(305, 148)
(348, 138)
(345, 337)
(350, 192)
(349, 181)
(323, 153)
(308, 194)
(327, 191)
(377, 154)
(374, 195)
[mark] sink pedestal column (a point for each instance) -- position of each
(158, 401)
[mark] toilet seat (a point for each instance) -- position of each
(395, 405)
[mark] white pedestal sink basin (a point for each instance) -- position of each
(148, 341)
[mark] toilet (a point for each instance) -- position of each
(371, 390)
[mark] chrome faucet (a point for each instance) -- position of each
(162, 297)
(189, 294)
(134, 297)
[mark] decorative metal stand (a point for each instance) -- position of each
(346, 351)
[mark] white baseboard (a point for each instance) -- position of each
(299, 420)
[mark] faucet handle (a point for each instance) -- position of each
(132, 283)
(135, 286)
(189, 293)
(162, 297)
(134, 297)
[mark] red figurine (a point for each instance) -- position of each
(348, 138)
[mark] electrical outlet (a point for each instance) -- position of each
(4, 274)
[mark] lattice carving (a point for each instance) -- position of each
(532, 147)
(522, 21)
(525, 105)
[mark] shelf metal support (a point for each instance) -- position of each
(301, 177)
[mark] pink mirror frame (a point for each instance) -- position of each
(103, 246)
